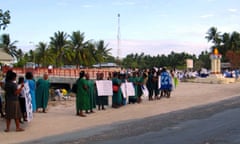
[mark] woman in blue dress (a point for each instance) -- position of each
(166, 83)
(32, 87)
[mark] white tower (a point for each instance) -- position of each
(118, 38)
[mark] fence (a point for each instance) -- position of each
(60, 72)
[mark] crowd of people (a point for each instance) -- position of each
(153, 83)
(17, 92)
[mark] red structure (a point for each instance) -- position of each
(60, 72)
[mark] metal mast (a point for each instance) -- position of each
(118, 38)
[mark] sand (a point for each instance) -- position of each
(60, 117)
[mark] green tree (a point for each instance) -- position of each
(41, 54)
(57, 43)
(204, 60)
(79, 46)
(102, 52)
(214, 36)
(4, 19)
(8, 46)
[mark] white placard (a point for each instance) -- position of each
(189, 63)
(104, 87)
(28, 100)
(159, 82)
(127, 89)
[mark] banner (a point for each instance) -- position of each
(104, 87)
(127, 89)
(28, 100)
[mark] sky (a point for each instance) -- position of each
(152, 27)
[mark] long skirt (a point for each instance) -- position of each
(13, 110)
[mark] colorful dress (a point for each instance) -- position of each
(166, 81)
(32, 87)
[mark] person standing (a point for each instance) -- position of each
(82, 98)
(22, 100)
(12, 102)
(166, 83)
(132, 78)
(91, 93)
(101, 100)
(32, 87)
(139, 82)
(42, 92)
(1, 104)
(117, 97)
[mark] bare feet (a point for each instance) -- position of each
(82, 115)
(19, 130)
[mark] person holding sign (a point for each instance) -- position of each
(101, 100)
(132, 78)
(22, 100)
(117, 97)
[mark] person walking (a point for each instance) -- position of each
(42, 92)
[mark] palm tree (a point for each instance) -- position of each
(225, 44)
(20, 54)
(102, 52)
(8, 46)
(214, 36)
(82, 55)
(41, 53)
(58, 42)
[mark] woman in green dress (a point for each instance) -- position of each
(132, 78)
(139, 82)
(91, 93)
(117, 97)
(101, 100)
(82, 98)
(42, 92)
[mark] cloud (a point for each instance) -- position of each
(124, 3)
(232, 10)
(157, 47)
(87, 6)
(207, 16)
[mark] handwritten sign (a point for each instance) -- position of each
(104, 87)
(127, 89)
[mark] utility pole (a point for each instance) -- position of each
(118, 38)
